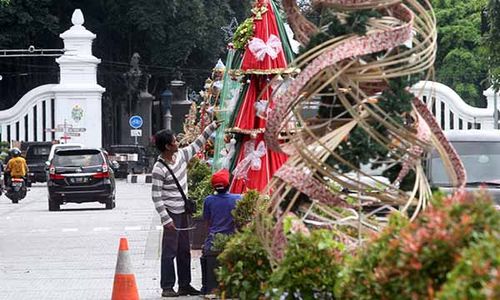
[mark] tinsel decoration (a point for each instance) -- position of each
(191, 126)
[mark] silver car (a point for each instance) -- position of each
(479, 151)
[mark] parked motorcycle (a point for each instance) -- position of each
(16, 190)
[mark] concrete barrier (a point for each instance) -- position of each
(139, 178)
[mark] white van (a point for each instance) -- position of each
(56, 147)
(479, 151)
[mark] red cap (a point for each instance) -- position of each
(220, 178)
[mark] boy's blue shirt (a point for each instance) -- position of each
(217, 211)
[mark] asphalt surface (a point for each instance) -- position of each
(72, 253)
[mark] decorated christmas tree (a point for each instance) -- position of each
(260, 51)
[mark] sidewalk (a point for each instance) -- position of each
(145, 252)
(148, 275)
(147, 270)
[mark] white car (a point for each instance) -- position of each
(56, 147)
(479, 151)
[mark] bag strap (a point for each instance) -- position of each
(175, 180)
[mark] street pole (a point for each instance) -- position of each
(168, 120)
(495, 112)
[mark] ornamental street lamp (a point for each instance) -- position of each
(166, 104)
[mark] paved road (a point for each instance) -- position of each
(72, 253)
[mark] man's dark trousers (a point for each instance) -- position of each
(175, 244)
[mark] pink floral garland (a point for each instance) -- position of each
(424, 134)
(355, 3)
(457, 164)
(308, 185)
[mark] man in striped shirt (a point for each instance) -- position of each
(169, 204)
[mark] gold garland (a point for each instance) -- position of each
(258, 11)
(245, 131)
(239, 72)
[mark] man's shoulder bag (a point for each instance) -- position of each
(189, 204)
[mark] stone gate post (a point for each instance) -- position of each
(493, 100)
(77, 103)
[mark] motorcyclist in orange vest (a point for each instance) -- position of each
(17, 166)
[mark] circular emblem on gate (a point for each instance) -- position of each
(77, 113)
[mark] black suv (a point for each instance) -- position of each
(81, 175)
(131, 158)
(37, 154)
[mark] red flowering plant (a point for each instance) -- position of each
(477, 273)
(412, 261)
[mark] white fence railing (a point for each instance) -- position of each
(451, 112)
(34, 115)
(30, 117)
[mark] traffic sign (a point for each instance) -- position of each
(135, 122)
(76, 129)
(54, 130)
(136, 132)
(73, 133)
(64, 125)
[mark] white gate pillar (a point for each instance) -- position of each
(78, 96)
(493, 100)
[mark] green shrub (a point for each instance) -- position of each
(197, 171)
(352, 280)
(245, 209)
(309, 268)
(199, 183)
(220, 241)
(413, 261)
(245, 268)
(475, 276)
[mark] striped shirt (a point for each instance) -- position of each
(165, 194)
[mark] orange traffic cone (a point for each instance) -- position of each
(124, 287)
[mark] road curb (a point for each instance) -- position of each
(140, 178)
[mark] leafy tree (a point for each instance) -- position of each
(492, 42)
(169, 35)
(24, 23)
(460, 61)
(241, 8)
